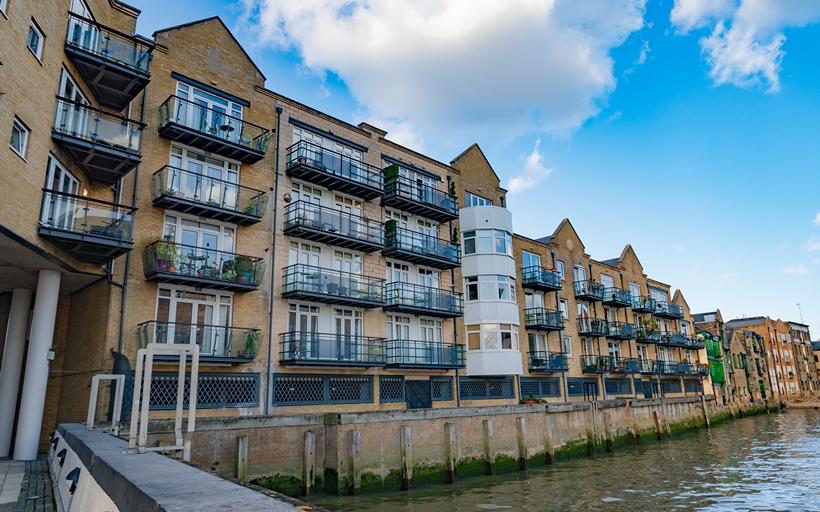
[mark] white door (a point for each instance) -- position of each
(607, 281)
(348, 326)
(303, 323)
(533, 300)
(60, 211)
(579, 273)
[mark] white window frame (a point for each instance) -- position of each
(567, 345)
(23, 137)
(3, 6)
(559, 267)
(497, 283)
(563, 308)
(486, 331)
(493, 237)
(530, 259)
(39, 33)
(471, 199)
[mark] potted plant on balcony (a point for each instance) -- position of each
(244, 267)
(250, 209)
(529, 400)
(166, 254)
(249, 345)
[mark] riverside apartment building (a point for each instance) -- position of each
(157, 192)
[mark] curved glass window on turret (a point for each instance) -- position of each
(490, 287)
(488, 241)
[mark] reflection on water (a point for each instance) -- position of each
(761, 463)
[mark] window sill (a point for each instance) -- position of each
(35, 55)
(18, 154)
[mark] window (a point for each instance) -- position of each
(19, 138)
(201, 235)
(491, 288)
(209, 113)
(529, 259)
(562, 305)
(538, 342)
(300, 134)
(35, 40)
(615, 348)
(684, 327)
(579, 273)
(658, 294)
(206, 179)
(492, 337)
(195, 317)
(635, 290)
(398, 327)
(474, 200)
(488, 241)
(3, 4)
(567, 341)
(559, 266)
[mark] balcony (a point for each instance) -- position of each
(647, 366)
(217, 343)
(315, 349)
(621, 331)
(589, 290)
(596, 364)
(328, 286)
(88, 229)
(617, 297)
(335, 171)
(411, 197)
(537, 278)
(676, 368)
(624, 365)
(112, 64)
(666, 309)
(106, 146)
(548, 362)
(540, 319)
(592, 327)
(645, 335)
(416, 299)
(169, 262)
(197, 194)
(677, 339)
(644, 304)
(424, 354)
(333, 227)
(207, 129)
(701, 370)
(407, 245)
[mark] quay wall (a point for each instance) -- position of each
(349, 453)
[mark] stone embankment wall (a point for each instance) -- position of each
(373, 451)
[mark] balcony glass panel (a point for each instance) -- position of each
(548, 362)
(544, 318)
(540, 278)
(86, 216)
(107, 43)
(97, 127)
(332, 225)
(625, 365)
(308, 348)
(646, 335)
(215, 341)
(174, 262)
(644, 304)
(401, 296)
(669, 309)
(593, 327)
(596, 364)
(425, 249)
(621, 330)
(331, 285)
(330, 167)
(184, 190)
(418, 198)
(589, 290)
(424, 354)
(618, 297)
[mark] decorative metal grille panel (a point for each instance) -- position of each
(671, 385)
(215, 390)
(693, 386)
(540, 388)
(618, 386)
(321, 389)
(391, 389)
(575, 386)
(485, 388)
(442, 388)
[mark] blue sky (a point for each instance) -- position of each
(688, 129)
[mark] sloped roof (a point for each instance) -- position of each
(476, 146)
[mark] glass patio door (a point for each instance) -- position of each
(303, 321)
(59, 211)
(71, 118)
(348, 334)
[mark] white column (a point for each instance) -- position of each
(12, 368)
(36, 378)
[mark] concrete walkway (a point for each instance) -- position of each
(25, 486)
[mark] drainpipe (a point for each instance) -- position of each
(453, 281)
(560, 331)
(279, 110)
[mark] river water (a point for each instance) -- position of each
(768, 462)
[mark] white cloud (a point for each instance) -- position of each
(727, 277)
(720, 263)
(813, 245)
(532, 174)
(783, 246)
(644, 52)
(614, 117)
(453, 66)
(795, 270)
(680, 248)
(745, 45)
(816, 220)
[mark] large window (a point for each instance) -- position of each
(300, 134)
(205, 179)
(492, 337)
(35, 40)
(658, 294)
(488, 241)
(195, 317)
(559, 267)
(529, 259)
(474, 200)
(493, 287)
(19, 138)
(211, 113)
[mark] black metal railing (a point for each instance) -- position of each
(596, 364)
(617, 296)
(701, 370)
(107, 43)
(180, 184)
(593, 327)
(209, 265)
(589, 290)
(648, 335)
(624, 365)
(416, 296)
(310, 280)
(400, 187)
(312, 155)
(673, 368)
(540, 278)
(647, 366)
(87, 216)
(677, 339)
(670, 309)
(213, 340)
(424, 354)
(333, 222)
(644, 304)
(621, 330)
(309, 348)
(98, 127)
(542, 361)
(213, 123)
(543, 318)
(428, 246)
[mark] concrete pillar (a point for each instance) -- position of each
(406, 458)
(521, 428)
(310, 463)
(355, 462)
(450, 452)
(36, 379)
(12, 368)
(489, 456)
(548, 446)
